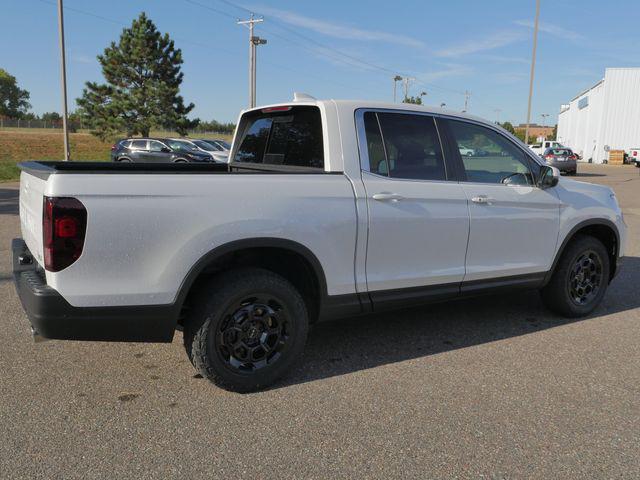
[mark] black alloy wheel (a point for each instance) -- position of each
(585, 278)
(253, 333)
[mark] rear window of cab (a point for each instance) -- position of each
(287, 136)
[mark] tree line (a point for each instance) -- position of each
(141, 90)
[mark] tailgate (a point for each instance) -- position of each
(31, 194)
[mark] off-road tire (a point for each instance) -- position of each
(210, 313)
(556, 295)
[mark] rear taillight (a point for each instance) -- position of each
(113, 147)
(548, 157)
(64, 223)
(572, 157)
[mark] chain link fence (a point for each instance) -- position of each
(22, 123)
(77, 126)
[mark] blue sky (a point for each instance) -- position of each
(340, 49)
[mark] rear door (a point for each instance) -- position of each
(514, 224)
(138, 150)
(418, 216)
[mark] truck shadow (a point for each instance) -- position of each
(345, 346)
(9, 201)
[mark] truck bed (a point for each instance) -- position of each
(43, 169)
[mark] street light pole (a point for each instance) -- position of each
(544, 119)
(63, 69)
(396, 79)
(533, 67)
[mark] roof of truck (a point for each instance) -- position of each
(357, 104)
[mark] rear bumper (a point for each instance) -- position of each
(570, 166)
(51, 316)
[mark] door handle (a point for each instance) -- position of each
(482, 199)
(386, 197)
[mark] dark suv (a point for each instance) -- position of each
(154, 150)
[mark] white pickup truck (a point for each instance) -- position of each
(327, 209)
(539, 148)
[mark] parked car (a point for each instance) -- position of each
(313, 218)
(561, 158)
(221, 145)
(154, 150)
(216, 153)
(469, 152)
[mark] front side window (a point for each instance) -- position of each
(289, 136)
(488, 157)
(180, 146)
(403, 146)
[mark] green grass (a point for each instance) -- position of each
(22, 144)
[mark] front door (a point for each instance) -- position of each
(418, 218)
(514, 224)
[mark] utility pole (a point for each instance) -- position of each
(497, 110)
(405, 82)
(253, 42)
(63, 69)
(467, 95)
(396, 79)
(533, 67)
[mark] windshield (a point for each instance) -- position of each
(205, 146)
(223, 144)
(181, 146)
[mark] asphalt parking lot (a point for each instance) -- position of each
(485, 388)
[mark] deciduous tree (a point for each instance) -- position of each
(14, 101)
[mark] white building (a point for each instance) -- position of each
(604, 117)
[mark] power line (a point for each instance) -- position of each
(192, 42)
(340, 53)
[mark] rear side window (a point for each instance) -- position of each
(138, 145)
(291, 137)
(404, 146)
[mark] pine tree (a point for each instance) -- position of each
(141, 92)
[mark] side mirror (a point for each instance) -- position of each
(549, 177)
(165, 150)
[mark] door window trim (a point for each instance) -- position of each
(363, 148)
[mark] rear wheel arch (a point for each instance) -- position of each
(289, 259)
(602, 229)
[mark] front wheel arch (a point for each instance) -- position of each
(602, 229)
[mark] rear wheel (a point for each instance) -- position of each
(248, 327)
(580, 279)
(124, 160)
(180, 160)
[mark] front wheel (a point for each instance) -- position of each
(247, 329)
(580, 279)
